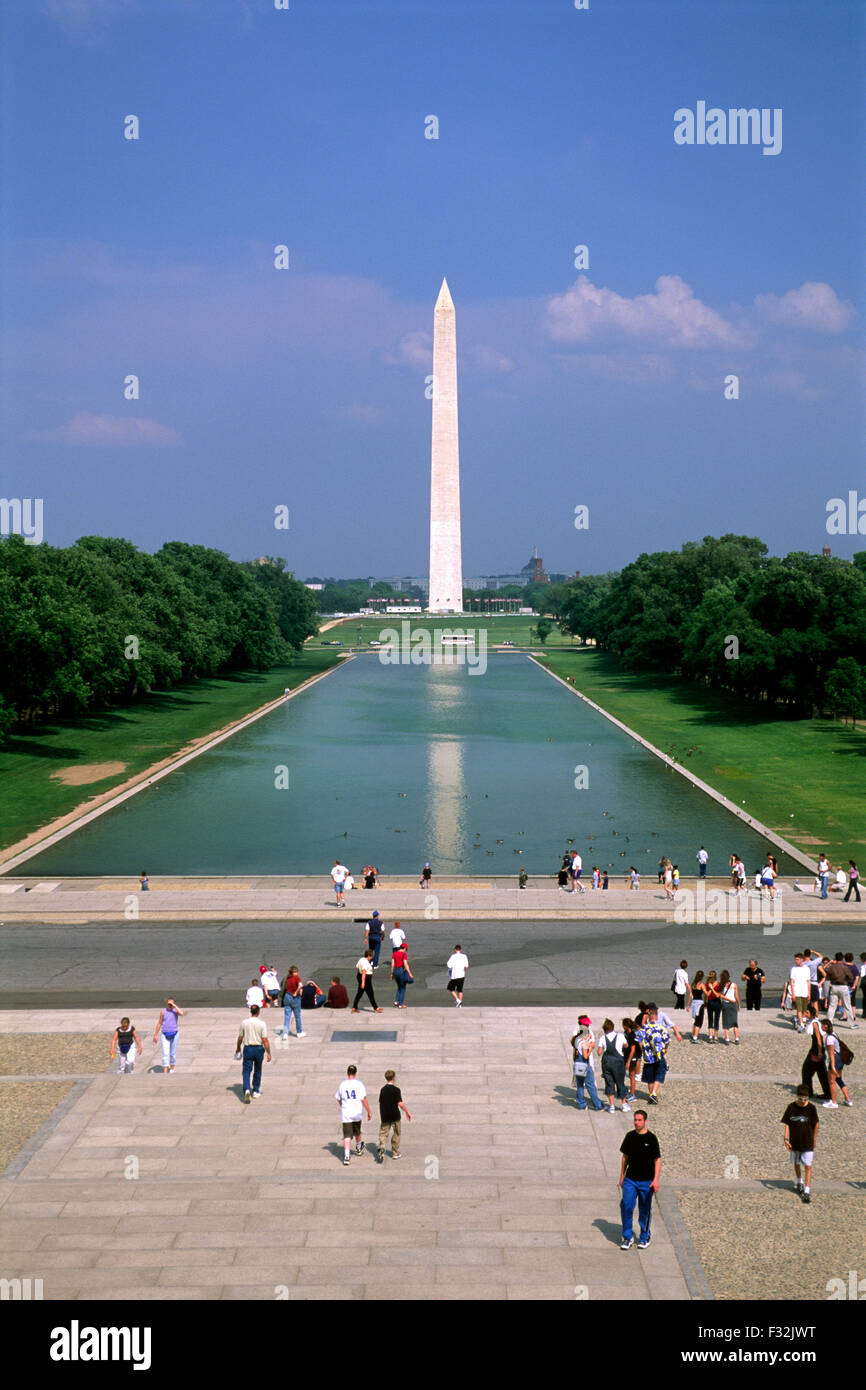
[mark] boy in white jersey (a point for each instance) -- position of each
(352, 1097)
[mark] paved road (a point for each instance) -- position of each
(520, 964)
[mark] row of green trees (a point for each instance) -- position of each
(101, 622)
(787, 631)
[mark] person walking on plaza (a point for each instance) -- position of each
(840, 991)
(292, 999)
(862, 985)
(612, 1049)
(401, 974)
(426, 877)
(339, 874)
(352, 1098)
(128, 1043)
(730, 1006)
(836, 1055)
(582, 1046)
(800, 990)
(253, 1041)
(457, 964)
(698, 1005)
(853, 881)
(364, 976)
(638, 1180)
(702, 858)
(373, 933)
(754, 978)
(632, 1056)
(801, 1131)
(396, 936)
(653, 1040)
(166, 1029)
(390, 1105)
(713, 996)
(814, 1063)
(681, 986)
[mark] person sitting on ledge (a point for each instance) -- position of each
(338, 995)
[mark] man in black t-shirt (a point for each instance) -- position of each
(638, 1179)
(390, 1105)
(754, 978)
(801, 1130)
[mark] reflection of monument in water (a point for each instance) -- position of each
(445, 593)
(445, 771)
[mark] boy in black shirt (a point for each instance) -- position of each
(801, 1130)
(638, 1179)
(390, 1105)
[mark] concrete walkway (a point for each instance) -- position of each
(299, 898)
(504, 1191)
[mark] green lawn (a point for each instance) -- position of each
(136, 736)
(804, 778)
(501, 628)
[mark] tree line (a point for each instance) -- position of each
(789, 632)
(101, 622)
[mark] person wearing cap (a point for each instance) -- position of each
(373, 933)
(583, 1046)
(801, 1130)
(426, 876)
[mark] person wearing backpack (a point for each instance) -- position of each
(838, 1055)
(612, 1049)
(583, 1045)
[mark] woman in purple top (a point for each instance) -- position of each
(166, 1028)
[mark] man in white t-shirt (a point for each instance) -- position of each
(352, 1097)
(396, 936)
(702, 858)
(457, 964)
(800, 982)
(255, 995)
(339, 874)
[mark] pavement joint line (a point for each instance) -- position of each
(35, 1142)
(687, 1256)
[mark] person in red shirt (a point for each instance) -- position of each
(400, 973)
(338, 996)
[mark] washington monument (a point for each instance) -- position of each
(446, 563)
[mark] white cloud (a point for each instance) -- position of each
(671, 315)
(814, 305)
(110, 430)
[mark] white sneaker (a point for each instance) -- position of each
(257, 1095)
(830, 1105)
(626, 1107)
(302, 1035)
(612, 1109)
(247, 1095)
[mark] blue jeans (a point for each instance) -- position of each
(169, 1049)
(702, 870)
(589, 1082)
(375, 945)
(292, 1005)
(253, 1057)
(401, 980)
(825, 879)
(642, 1193)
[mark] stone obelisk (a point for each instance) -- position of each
(446, 562)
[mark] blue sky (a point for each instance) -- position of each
(305, 387)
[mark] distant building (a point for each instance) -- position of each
(318, 587)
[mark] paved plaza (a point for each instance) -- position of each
(504, 1190)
